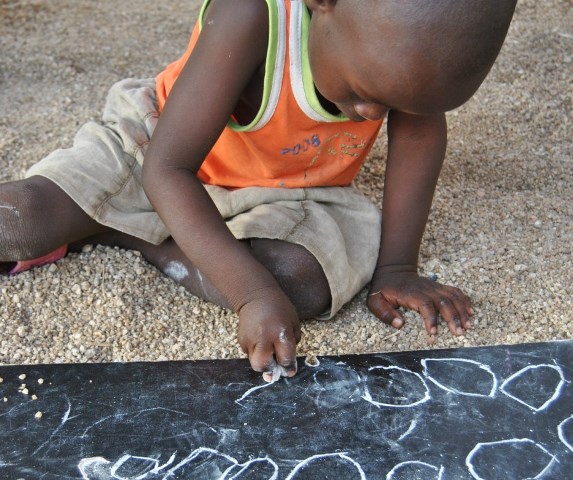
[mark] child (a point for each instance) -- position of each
(251, 142)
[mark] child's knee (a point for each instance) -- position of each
(298, 273)
(25, 219)
(17, 203)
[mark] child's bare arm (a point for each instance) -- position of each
(416, 150)
(231, 49)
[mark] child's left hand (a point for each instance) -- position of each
(393, 288)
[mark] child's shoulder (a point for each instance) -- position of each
(254, 12)
(246, 22)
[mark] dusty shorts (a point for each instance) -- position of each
(101, 172)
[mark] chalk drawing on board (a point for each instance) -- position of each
(130, 467)
(65, 418)
(251, 469)
(201, 463)
(411, 428)
(134, 416)
(341, 465)
(565, 431)
(395, 387)
(252, 390)
(461, 376)
(505, 459)
(95, 468)
(535, 386)
(337, 387)
(414, 469)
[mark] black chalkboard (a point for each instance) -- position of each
(501, 412)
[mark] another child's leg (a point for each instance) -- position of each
(36, 217)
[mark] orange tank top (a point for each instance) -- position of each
(293, 141)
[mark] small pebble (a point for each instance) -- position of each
(22, 377)
(311, 361)
(39, 415)
(40, 381)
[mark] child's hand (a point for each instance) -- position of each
(269, 330)
(393, 289)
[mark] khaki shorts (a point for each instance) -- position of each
(102, 173)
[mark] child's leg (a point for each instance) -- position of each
(298, 273)
(36, 217)
(296, 270)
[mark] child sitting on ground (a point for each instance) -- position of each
(251, 142)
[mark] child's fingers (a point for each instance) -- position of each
(285, 355)
(463, 305)
(455, 314)
(429, 299)
(450, 314)
(274, 373)
(380, 307)
(276, 362)
(455, 308)
(261, 357)
(429, 315)
(283, 362)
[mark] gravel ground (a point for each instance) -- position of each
(501, 227)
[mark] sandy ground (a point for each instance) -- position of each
(501, 227)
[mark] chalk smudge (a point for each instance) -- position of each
(12, 208)
(176, 270)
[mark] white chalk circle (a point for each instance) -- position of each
(201, 463)
(509, 459)
(535, 386)
(414, 470)
(328, 465)
(130, 467)
(461, 376)
(253, 469)
(127, 467)
(395, 387)
(565, 431)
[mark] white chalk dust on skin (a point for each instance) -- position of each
(12, 208)
(176, 270)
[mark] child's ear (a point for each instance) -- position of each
(320, 5)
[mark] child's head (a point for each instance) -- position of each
(415, 56)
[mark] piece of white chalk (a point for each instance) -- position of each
(277, 372)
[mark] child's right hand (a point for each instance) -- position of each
(269, 330)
